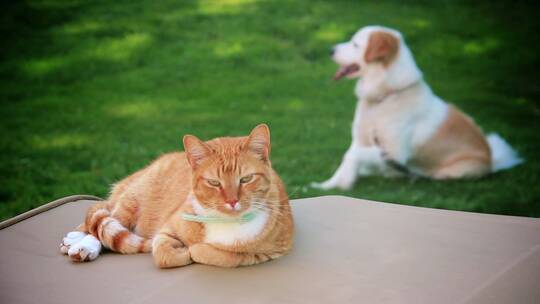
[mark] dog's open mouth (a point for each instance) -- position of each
(345, 70)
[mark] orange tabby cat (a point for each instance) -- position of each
(218, 203)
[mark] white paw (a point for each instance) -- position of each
(323, 186)
(87, 249)
(331, 185)
(70, 239)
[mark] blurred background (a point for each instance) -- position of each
(94, 90)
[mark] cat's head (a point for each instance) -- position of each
(230, 174)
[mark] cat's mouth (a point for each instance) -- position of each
(346, 70)
(234, 211)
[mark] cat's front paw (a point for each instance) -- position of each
(80, 247)
(206, 254)
(169, 256)
(200, 252)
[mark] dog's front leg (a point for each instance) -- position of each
(346, 174)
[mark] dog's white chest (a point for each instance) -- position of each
(399, 126)
(376, 124)
(230, 233)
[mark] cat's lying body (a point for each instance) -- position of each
(228, 179)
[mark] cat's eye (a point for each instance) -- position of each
(213, 182)
(246, 179)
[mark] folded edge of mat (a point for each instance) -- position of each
(47, 207)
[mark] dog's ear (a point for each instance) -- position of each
(382, 46)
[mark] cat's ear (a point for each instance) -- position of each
(258, 142)
(196, 150)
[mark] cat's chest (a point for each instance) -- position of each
(231, 233)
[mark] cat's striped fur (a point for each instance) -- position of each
(225, 176)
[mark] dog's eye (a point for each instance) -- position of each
(213, 182)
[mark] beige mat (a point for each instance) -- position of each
(347, 251)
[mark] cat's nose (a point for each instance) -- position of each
(232, 203)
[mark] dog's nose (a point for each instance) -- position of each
(332, 51)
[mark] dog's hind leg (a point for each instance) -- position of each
(464, 167)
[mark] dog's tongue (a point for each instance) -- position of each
(346, 70)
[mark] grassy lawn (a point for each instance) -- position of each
(94, 90)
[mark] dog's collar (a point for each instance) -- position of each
(398, 91)
(246, 217)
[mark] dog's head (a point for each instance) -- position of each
(371, 45)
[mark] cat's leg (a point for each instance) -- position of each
(79, 245)
(168, 251)
(204, 253)
(101, 229)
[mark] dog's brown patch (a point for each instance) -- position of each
(382, 46)
(458, 140)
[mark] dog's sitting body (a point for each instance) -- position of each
(400, 125)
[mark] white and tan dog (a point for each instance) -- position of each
(400, 125)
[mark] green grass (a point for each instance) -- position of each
(94, 90)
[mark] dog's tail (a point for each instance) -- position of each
(502, 155)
